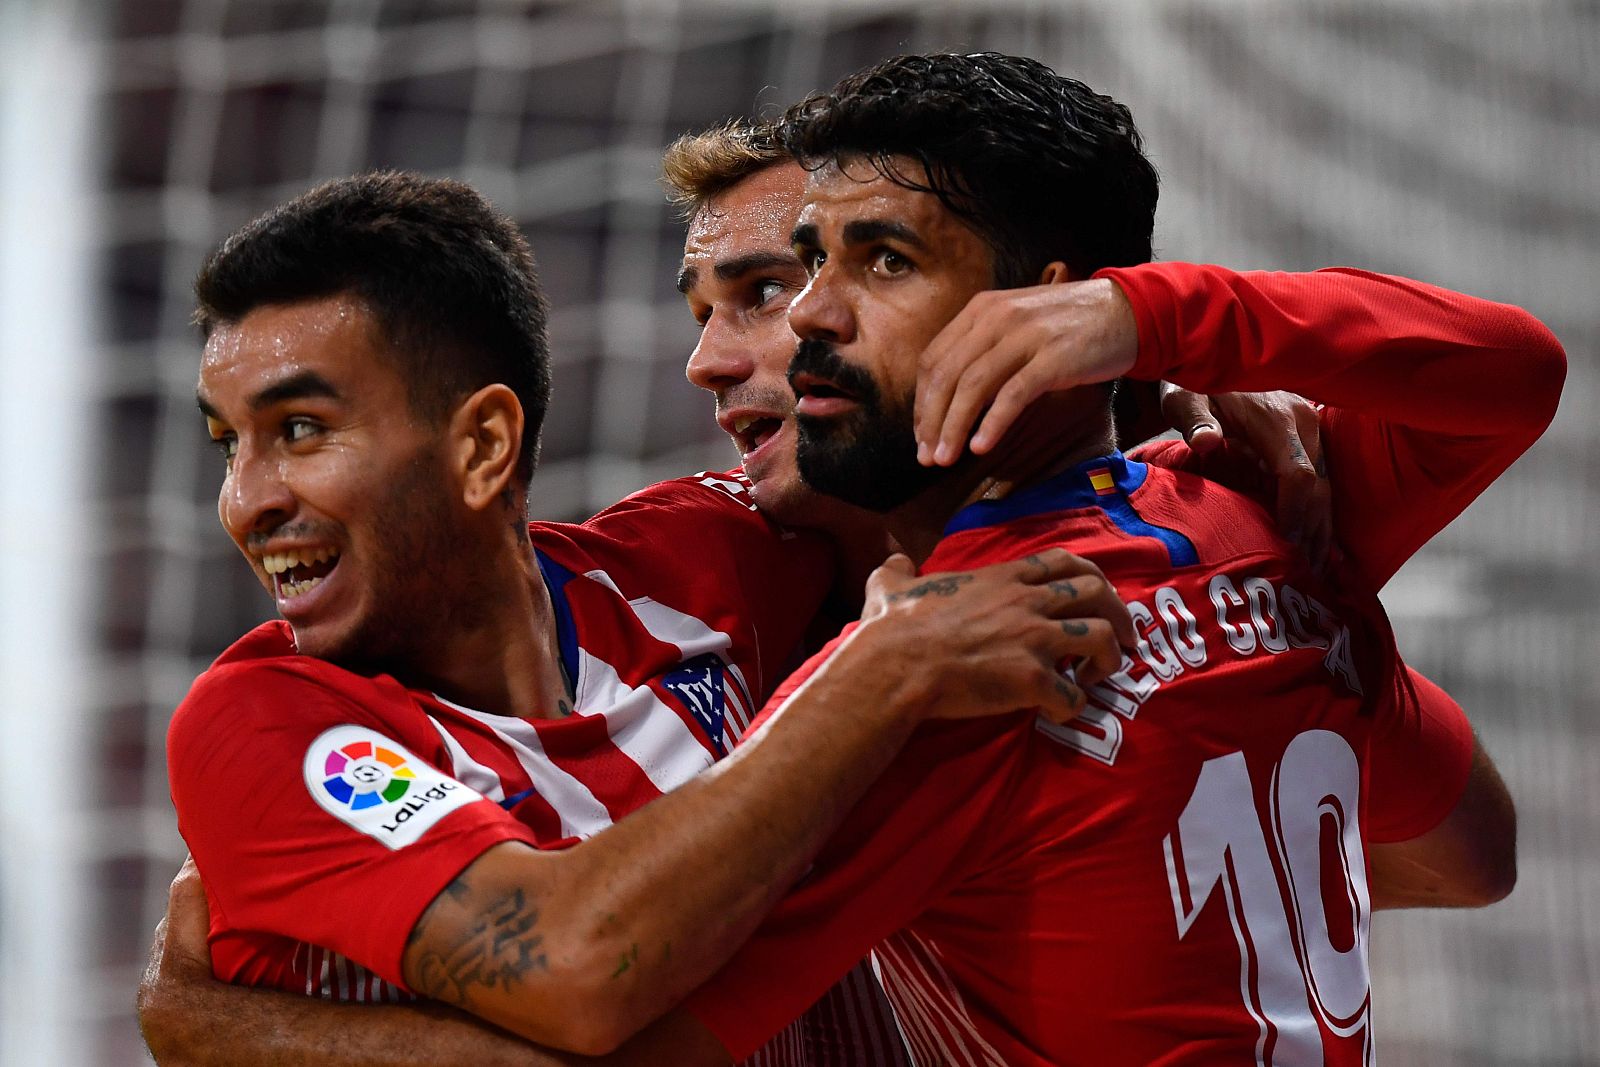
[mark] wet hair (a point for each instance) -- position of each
(700, 166)
(450, 282)
(1040, 165)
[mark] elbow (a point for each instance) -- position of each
(1543, 367)
(600, 1006)
(156, 1025)
(1494, 876)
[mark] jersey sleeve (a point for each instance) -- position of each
(699, 545)
(1430, 394)
(310, 820)
(903, 845)
(1420, 757)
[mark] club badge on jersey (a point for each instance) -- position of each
(699, 686)
(374, 785)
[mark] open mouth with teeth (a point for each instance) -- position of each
(298, 571)
(753, 431)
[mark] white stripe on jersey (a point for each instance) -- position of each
(466, 770)
(692, 636)
(869, 1017)
(582, 815)
(787, 1049)
(929, 1008)
(652, 734)
(331, 976)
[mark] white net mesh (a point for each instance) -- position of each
(1452, 142)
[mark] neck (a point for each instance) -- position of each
(1056, 433)
(494, 647)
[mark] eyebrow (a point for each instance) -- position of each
(295, 387)
(864, 230)
(860, 232)
(737, 267)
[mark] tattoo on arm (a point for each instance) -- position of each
(945, 585)
(496, 947)
(626, 961)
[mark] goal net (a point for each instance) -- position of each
(1454, 142)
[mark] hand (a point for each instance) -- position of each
(993, 640)
(1282, 432)
(1007, 348)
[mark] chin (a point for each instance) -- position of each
(787, 500)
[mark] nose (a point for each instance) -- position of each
(256, 497)
(721, 359)
(821, 312)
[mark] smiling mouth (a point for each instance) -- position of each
(298, 571)
(753, 431)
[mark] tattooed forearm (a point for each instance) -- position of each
(946, 585)
(496, 948)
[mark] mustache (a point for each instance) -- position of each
(821, 359)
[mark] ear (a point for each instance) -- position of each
(485, 440)
(1055, 273)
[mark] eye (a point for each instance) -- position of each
(811, 259)
(227, 444)
(890, 262)
(768, 290)
(298, 429)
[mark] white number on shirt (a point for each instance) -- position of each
(1222, 840)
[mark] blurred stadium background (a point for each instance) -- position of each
(1457, 142)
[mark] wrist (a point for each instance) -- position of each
(877, 672)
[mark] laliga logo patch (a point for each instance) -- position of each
(369, 782)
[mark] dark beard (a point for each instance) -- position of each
(868, 457)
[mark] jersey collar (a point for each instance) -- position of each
(1086, 485)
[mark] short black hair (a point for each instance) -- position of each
(1040, 165)
(449, 280)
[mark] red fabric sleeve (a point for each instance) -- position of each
(734, 565)
(273, 856)
(1420, 757)
(1431, 394)
(897, 852)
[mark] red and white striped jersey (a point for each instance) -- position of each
(1178, 876)
(327, 809)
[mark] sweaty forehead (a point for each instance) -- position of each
(331, 337)
(758, 211)
(837, 194)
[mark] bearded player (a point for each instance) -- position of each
(1191, 856)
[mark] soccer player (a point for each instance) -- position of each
(378, 788)
(264, 1029)
(1181, 874)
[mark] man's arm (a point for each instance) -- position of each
(189, 1019)
(581, 949)
(1442, 830)
(1431, 393)
(584, 947)
(1467, 861)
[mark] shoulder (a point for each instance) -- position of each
(1222, 521)
(678, 531)
(260, 687)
